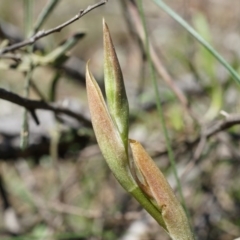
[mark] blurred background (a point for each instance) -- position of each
(59, 186)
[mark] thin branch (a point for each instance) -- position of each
(32, 105)
(44, 33)
(229, 121)
(207, 132)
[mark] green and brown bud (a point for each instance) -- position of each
(112, 147)
(110, 124)
(107, 134)
(114, 86)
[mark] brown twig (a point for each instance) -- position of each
(32, 105)
(208, 132)
(44, 33)
(221, 125)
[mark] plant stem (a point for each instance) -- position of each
(47, 10)
(28, 7)
(159, 107)
(199, 38)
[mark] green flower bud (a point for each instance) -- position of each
(114, 86)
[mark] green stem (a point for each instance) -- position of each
(28, 16)
(159, 107)
(148, 206)
(200, 39)
(24, 132)
(52, 91)
(47, 10)
(28, 7)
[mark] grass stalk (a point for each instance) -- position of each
(28, 16)
(47, 10)
(159, 107)
(199, 38)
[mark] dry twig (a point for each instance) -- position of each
(44, 33)
(207, 132)
(32, 105)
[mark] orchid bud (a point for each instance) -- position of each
(110, 125)
(114, 86)
(112, 147)
(107, 134)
